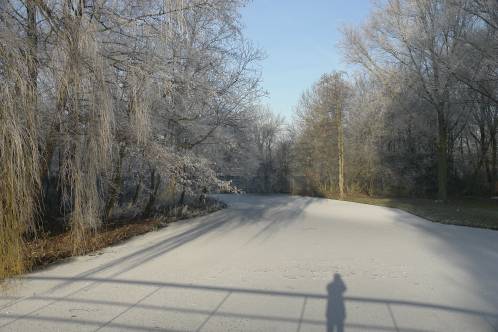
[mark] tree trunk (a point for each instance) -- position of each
(136, 194)
(115, 187)
(155, 181)
(32, 63)
(182, 198)
(340, 149)
(442, 174)
(494, 170)
(32, 35)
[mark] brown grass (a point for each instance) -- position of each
(48, 249)
(464, 211)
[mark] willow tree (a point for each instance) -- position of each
(19, 157)
(97, 95)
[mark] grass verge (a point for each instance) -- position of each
(473, 212)
(47, 249)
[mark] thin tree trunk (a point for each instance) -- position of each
(340, 149)
(32, 63)
(442, 174)
(137, 193)
(32, 34)
(155, 180)
(494, 170)
(115, 188)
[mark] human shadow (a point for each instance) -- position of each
(336, 310)
(38, 302)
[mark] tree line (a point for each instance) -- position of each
(417, 115)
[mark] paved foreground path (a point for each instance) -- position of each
(273, 263)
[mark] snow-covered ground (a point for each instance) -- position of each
(272, 263)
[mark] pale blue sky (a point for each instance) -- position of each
(299, 38)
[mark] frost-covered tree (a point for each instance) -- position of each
(109, 106)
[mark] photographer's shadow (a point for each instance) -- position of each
(336, 310)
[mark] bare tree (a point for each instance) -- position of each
(321, 134)
(425, 38)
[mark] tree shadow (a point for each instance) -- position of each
(336, 310)
(241, 210)
(250, 211)
(466, 247)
